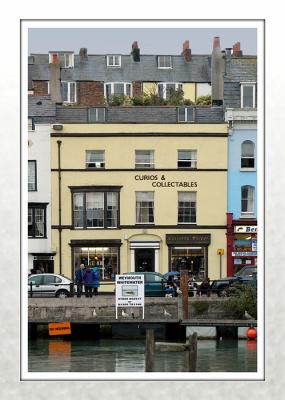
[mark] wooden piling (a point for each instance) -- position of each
(149, 350)
(191, 354)
(184, 289)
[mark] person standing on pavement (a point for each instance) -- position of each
(96, 283)
(88, 280)
(79, 275)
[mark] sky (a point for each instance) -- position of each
(150, 40)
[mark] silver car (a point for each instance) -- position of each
(48, 285)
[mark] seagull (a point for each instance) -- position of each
(124, 314)
(247, 315)
(179, 291)
(94, 313)
(166, 313)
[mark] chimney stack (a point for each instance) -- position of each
(216, 43)
(236, 50)
(186, 53)
(83, 54)
(136, 51)
(217, 73)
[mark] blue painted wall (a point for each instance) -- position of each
(236, 177)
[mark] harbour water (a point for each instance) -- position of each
(117, 355)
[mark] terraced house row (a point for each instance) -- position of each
(143, 162)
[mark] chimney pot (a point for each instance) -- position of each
(55, 58)
(136, 51)
(135, 45)
(216, 43)
(83, 54)
(186, 53)
(236, 49)
(186, 45)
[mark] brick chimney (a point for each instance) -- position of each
(83, 54)
(217, 73)
(55, 88)
(186, 53)
(136, 52)
(236, 50)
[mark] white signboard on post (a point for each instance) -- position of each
(129, 291)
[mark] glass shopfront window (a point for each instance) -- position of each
(244, 250)
(190, 258)
(106, 259)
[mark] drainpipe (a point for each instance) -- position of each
(59, 205)
(230, 244)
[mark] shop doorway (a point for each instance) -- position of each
(190, 258)
(144, 260)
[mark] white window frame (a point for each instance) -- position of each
(159, 59)
(194, 194)
(248, 84)
(118, 83)
(248, 213)
(192, 160)
(185, 114)
(164, 85)
(97, 114)
(151, 160)
(111, 61)
(69, 83)
(32, 180)
(100, 166)
(247, 157)
(137, 201)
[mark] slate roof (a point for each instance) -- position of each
(41, 106)
(241, 69)
(95, 69)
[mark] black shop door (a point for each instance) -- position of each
(144, 260)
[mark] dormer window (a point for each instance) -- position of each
(114, 61)
(66, 59)
(164, 62)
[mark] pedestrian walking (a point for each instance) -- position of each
(88, 280)
(79, 274)
(96, 282)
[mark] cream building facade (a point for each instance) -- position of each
(138, 197)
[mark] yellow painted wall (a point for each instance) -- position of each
(149, 87)
(189, 90)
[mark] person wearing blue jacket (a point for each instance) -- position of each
(79, 274)
(96, 282)
(89, 280)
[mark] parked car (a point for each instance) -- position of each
(245, 275)
(48, 285)
(154, 283)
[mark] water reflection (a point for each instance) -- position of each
(115, 355)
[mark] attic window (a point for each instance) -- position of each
(164, 62)
(113, 61)
(66, 60)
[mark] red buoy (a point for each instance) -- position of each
(251, 333)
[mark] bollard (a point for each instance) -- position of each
(184, 289)
(191, 353)
(149, 350)
(31, 289)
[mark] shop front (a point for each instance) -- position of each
(103, 254)
(189, 251)
(144, 256)
(241, 244)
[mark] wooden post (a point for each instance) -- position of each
(184, 289)
(149, 350)
(191, 354)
